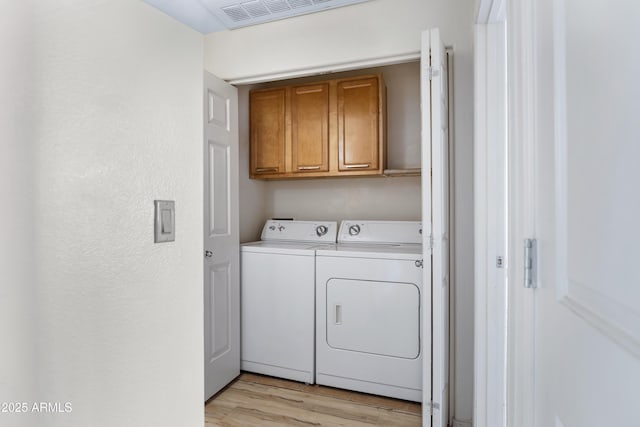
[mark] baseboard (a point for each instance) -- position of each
(458, 423)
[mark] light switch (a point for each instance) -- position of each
(165, 221)
(166, 216)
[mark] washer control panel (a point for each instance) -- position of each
(300, 231)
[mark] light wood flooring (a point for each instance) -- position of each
(257, 400)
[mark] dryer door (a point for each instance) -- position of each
(380, 318)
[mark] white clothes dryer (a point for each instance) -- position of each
(368, 309)
(277, 302)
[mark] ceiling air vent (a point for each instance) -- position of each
(255, 8)
(276, 6)
(299, 3)
(236, 14)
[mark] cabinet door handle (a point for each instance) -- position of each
(308, 168)
(266, 169)
(361, 166)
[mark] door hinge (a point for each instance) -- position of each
(431, 242)
(530, 263)
(432, 407)
(433, 72)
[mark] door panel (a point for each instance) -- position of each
(219, 298)
(587, 316)
(219, 202)
(358, 124)
(310, 128)
(267, 131)
(221, 238)
(585, 209)
(440, 220)
(435, 216)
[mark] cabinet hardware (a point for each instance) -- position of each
(361, 166)
(266, 169)
(308, 168)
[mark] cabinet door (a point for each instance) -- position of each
(359, 130)
(267, 124)
(310, 128)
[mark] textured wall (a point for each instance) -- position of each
(118, 123)
(371, 30)
(17, 311)
(348, 198)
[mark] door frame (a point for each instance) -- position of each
(379, 62)
(515, 306)
(329, 68)
(492, 199)
(522, 107)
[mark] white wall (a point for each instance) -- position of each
(348, 198)
(372, 29)
(367, 31)
(116, 122)
(252, 191)
(17, 313)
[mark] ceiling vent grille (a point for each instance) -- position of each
(300, 3)
(236, 13)
(242, 14)
(255, 8)
(276, 6)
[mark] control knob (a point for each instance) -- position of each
(321, 230)
(354, 230)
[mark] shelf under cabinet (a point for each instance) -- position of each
(402, 172)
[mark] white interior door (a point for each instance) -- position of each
(435, 222)
(585, 207)
(221, 238)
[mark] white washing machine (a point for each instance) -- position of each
(277, 303)
(368, 309)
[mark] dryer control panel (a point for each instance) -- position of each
(383, 232)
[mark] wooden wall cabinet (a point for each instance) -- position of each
(328, 128)
(267, 140)
(360, 140)
(310, 128)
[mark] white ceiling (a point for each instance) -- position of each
(208, 16)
